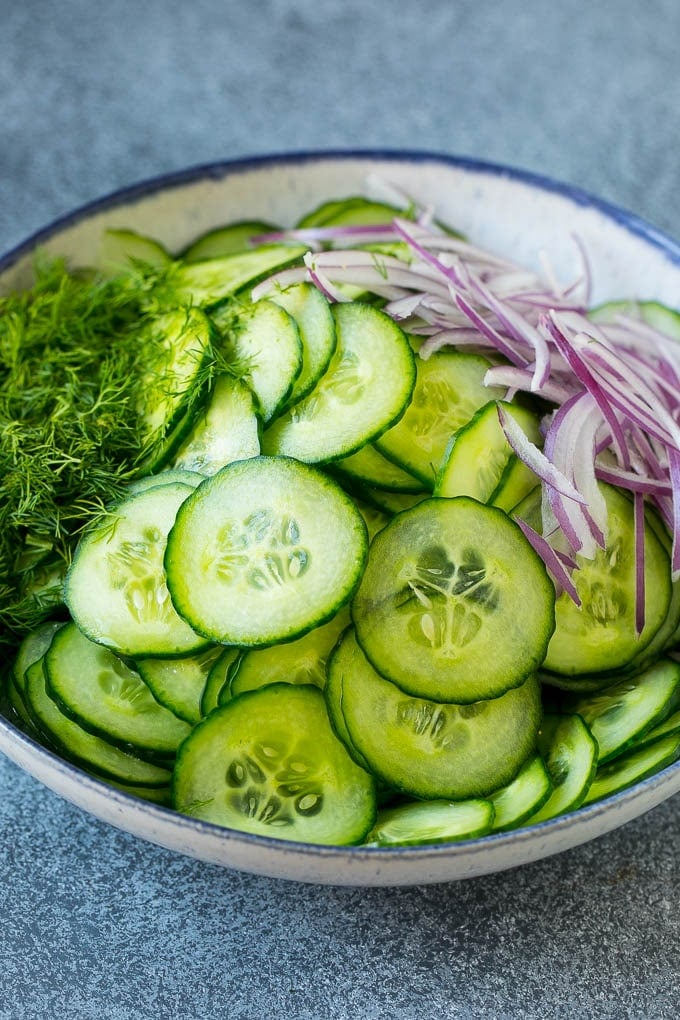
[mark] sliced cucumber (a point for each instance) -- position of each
(635, 766)
(263, 344)
(269, 763)
(219, 679)
(353, 211)
(211, 281)
(100, 692)
(179, 683)
(116, 587)
(514, 485)
(438, 821)
(621, 714)
(570, 755)
(84, 748)
(522, 797)
(653, 313)
(449, 389)
(312, 314)
(428, 749)
(263, 551)
(233, 238)
(454, 604)
(227, 429)
(479, 452)
(175, 346)
(600, 634)
(364, 390)
(121, 248)
(298, 662)
(166, 477)
(369, 466)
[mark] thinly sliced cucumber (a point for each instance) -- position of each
(479, 452)
(454, 604)
(227, 429)
(669, 725)
(449, 389)
(428, 749)
(621, 714)
(166, 477)
(312, 314)
(333, 693)
(633, 767)
(179, 683)
(218, 680)
(85, 748)
(121, 248)
(570, 755)
(600, 634)
(364, 390)
(263, 551)
(33, 648)
(653, 313)
(391, 503)
(438, 821)
(269, 763)
(521, 798)
(369, 466)
(230, 239)
(514, 485)
(175, 346)
(263, 344)
(353, 211)
(116, 587)
(211, 281)
(100, 692)
(297, 662)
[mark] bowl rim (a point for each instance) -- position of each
(651, 789)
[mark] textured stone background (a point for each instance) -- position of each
(95, 924)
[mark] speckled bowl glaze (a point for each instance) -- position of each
(517, 214)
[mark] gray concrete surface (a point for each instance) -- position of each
(95, 924)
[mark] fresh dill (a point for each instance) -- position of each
(69, 435)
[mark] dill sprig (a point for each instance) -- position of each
(69, 435)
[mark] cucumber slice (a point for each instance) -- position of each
(298, 662)
(438, 821)
(521, 798)
(212, 281)
(179, 683)
(122, 248)
(264, 551)
(312, 314)
(227, 240)
(353, 211)
(269, 763)
(263, 344)
(227, 429)
(364, 390)
(449, 389)
(175, 346)
(570, 755)
(454, 604)
(116, 586)
(633, 767)
(219, 679)
(99, 691)
(369, 466)
(514, 485)
(428, 749)
(600, 635)
(478, 452)
(32, 649)
(655, 314)
(83, 748)
(621, 714)
(166, 477)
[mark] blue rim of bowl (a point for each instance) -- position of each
(218, 171)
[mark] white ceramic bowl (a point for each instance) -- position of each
(509, 211)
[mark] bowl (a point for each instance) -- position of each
(511, 212)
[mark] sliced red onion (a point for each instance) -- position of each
(559, 572)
